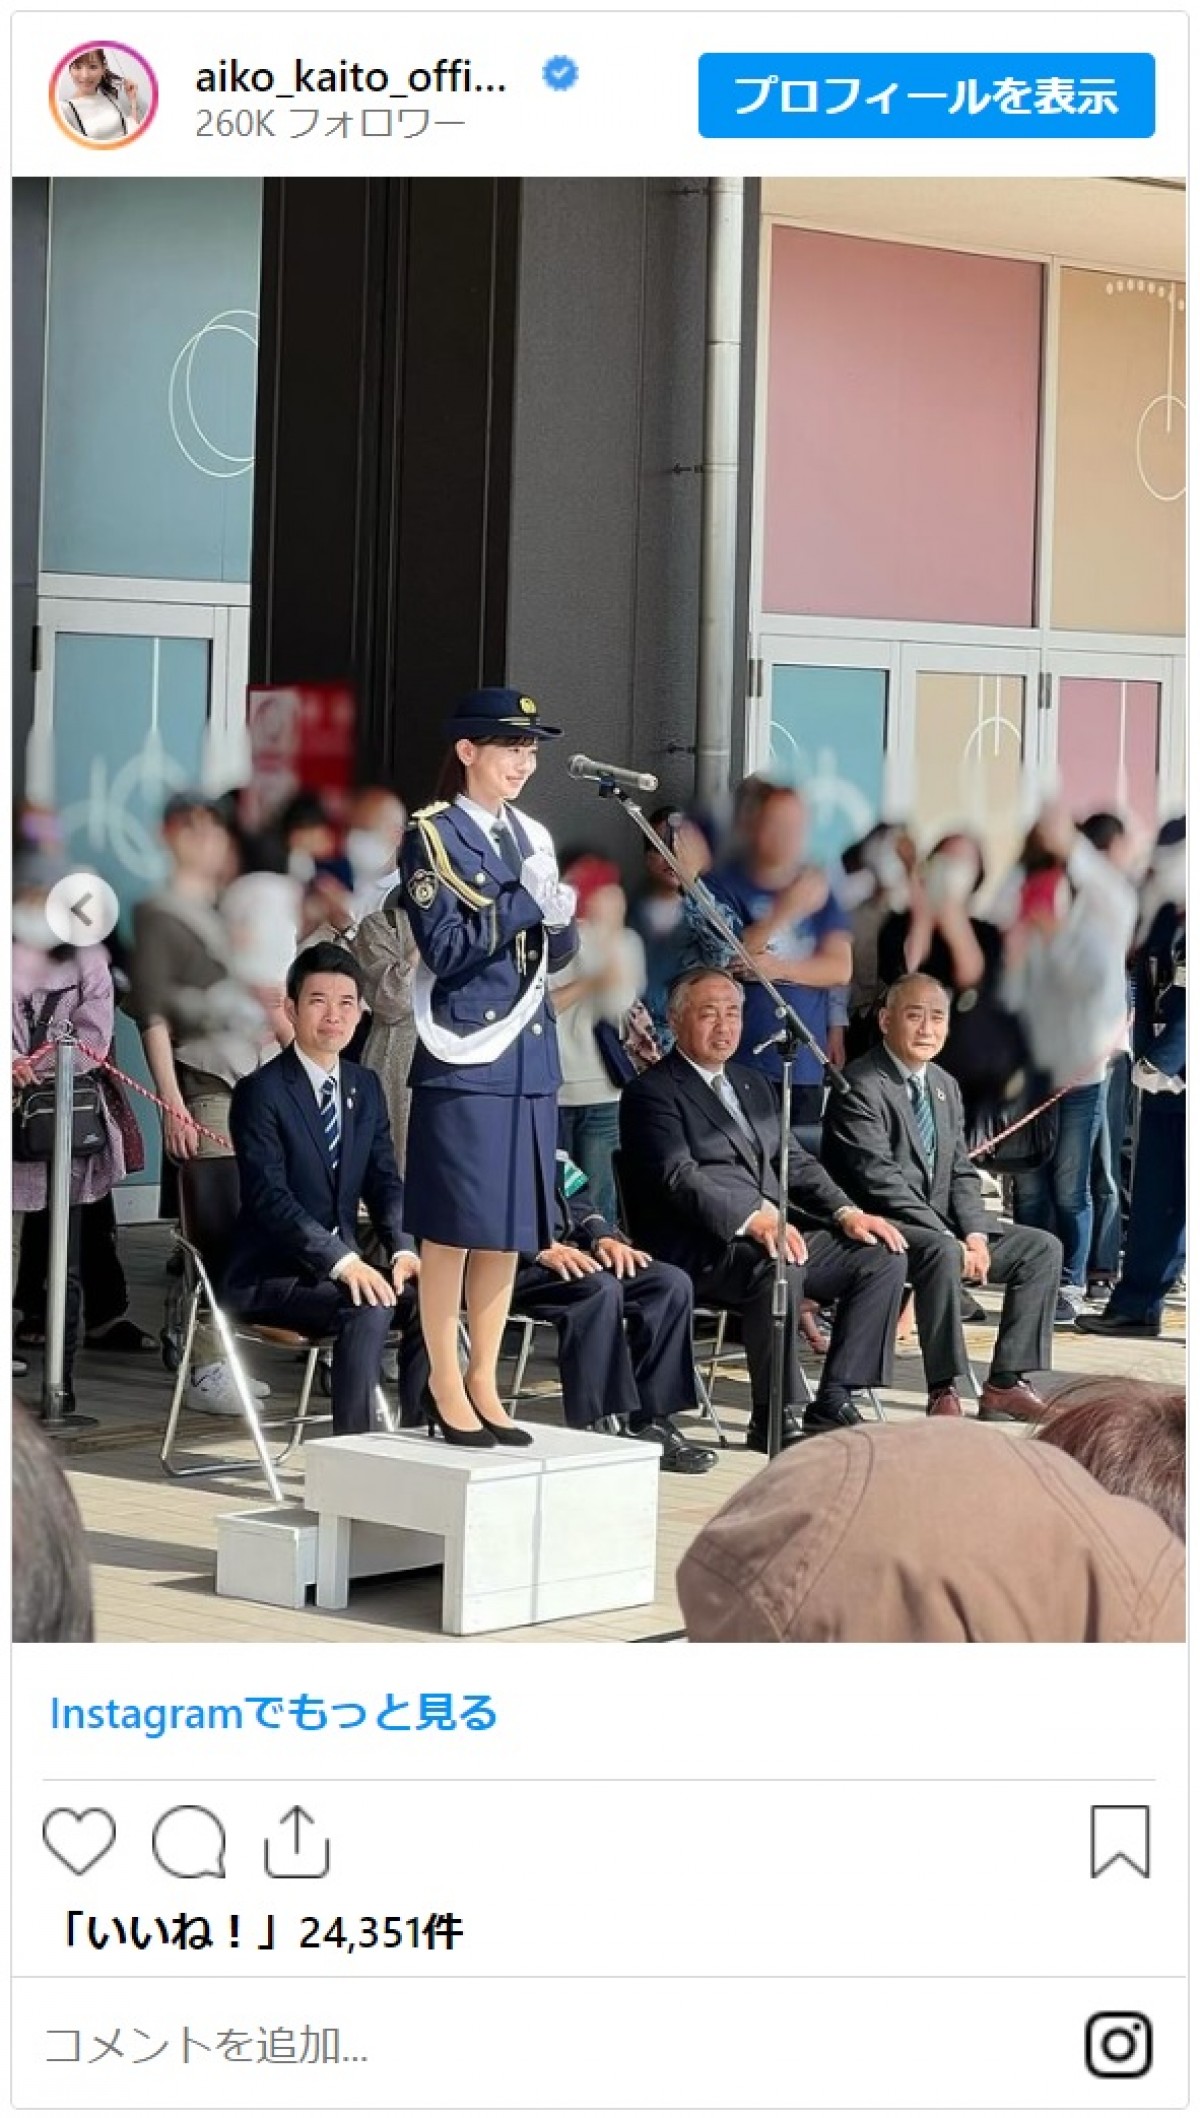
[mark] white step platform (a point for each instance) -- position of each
(269, 1555)
(564, 1527)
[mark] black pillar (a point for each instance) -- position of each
(381, 512)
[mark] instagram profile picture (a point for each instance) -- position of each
(103, 95)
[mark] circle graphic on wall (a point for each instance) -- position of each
(103, 95)
(211, 372)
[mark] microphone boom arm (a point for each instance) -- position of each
(793, 1030)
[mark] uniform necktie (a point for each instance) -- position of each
(330, 1120)
(728, 1095)
(507, 847)
(918, 1090)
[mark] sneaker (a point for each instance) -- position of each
(1067, 1307)
(212, 1390)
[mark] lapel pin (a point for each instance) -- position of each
(940, 1093)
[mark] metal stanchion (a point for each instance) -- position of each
(55, 1416)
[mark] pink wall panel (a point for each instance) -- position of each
(1089, 746)
(902, 425)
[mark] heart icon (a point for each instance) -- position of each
(79, 1837)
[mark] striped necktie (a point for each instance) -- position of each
(330, 1120)
(918, 1089)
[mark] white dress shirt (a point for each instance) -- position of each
(318, 1075)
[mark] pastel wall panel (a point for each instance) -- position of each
(827, 736)
(1121, 439)
(902, 431)
(1108, 746)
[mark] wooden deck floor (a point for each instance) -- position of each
(153, 1538)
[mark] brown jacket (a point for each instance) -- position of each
(943, 1531)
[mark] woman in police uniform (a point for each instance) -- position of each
(490, 919)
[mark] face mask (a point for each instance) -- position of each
(370, 855)
(31, 926)
(302, 867)
(889, 868)
(950, 880)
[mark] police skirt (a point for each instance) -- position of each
(479, 1169)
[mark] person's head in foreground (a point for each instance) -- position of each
(931, 1532)
(51, 1587)
(1131, 1436)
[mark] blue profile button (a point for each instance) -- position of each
(926, 96)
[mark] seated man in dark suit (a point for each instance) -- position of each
(624, 1325)
(310, 1131)
(897, 1139)
(700, 1144)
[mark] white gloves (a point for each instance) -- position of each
(1154, 1082)
(555, 899)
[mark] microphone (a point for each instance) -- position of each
(586, 768)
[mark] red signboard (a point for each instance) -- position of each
(301, 735)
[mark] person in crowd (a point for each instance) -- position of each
(375, 824)
(592, 996)
(939, 932)
(311, 1135)
(937, 1532)
(1131, 1436)
(491, 919)
(658, 914)
(896, 1142)
(1121, 845)
(51, 1579)
(202, 1029)
(384, 949)
(1156, 1247)
(624, 1324)
(786, 915)
(1065, 978)
(874, 885)
(700, 1155)
(55, 985)
(305, 842)
(102, 106)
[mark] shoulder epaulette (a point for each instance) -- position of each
(432, 809)
(439, 861)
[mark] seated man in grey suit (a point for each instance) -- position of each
(896, 1142)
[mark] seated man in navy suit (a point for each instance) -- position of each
(311, 1135)
(624, 1325)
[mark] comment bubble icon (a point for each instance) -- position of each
(189, 1842)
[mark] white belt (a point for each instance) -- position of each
(473, 1047)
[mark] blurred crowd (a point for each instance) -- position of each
(1066, 979)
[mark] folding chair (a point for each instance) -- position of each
(209, 1197)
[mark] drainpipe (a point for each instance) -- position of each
(718, 549)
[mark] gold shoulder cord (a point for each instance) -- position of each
(439, 860)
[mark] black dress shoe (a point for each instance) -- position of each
(827, 1415)
(971, 1311)
(678, 1454)
(1116, 1326)
(756, 1434)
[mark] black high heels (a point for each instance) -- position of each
(508, 1437)
(480, 1437)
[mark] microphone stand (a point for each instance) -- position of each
(790, 1037)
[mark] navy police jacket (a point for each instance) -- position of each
(483, 942)
(1160, 994)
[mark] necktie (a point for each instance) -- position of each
(923, 1112)
(507, 847)
(330, 1120)
(728, 1095)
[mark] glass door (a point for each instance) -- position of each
(968, 744)
(823, 726)
(1111, 734)
(123, 700)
